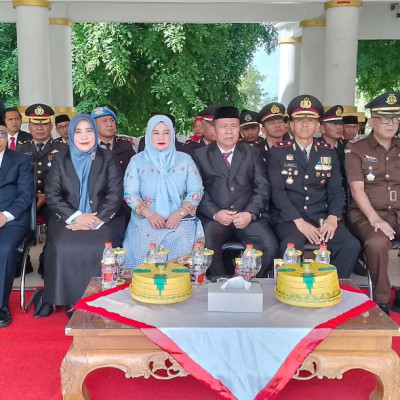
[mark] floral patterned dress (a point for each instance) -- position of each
(140, 188)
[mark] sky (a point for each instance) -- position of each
(268, 65)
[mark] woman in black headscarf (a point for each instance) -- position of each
(84, 192)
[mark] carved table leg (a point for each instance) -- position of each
(142, 363)
(74, 369)
(329, 364)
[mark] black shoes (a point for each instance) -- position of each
(5, 317)
(385, 307)
(396, 302)
(69, 311)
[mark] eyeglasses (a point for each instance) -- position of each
(385, 120)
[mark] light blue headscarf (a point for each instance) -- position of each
(82, 161)
(164, 162)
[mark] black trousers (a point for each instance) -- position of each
(10, 237)
(344, 247)
(259, 233)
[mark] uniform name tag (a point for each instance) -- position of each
(370, 159)
(290, 165)
(393, 195)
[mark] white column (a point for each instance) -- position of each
(33, 52)
(61, 65)
(341, 52)
(312, 57)
(289, 68)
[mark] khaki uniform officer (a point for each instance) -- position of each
(41, 149)
(306, 187)
(372, 167)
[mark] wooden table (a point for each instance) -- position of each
(364, 342)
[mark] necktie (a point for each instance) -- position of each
(12, 144)
(40, 147)
(226, 156)
(106, 145)
(305, 155)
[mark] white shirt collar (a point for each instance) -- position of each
(1, 157)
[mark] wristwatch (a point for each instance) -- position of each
(181, 213)
(253, 216)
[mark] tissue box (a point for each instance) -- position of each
(235, 300)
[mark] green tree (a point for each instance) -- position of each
(378, 67)
(9, 93)
(250, 87)
(175, 68)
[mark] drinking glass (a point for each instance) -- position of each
(119, 254)
(258, 254)
(162, 256)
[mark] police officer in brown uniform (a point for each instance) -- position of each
(372, 167)
(306, 188)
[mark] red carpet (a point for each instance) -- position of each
(31, 351)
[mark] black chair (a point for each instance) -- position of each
(24, 247)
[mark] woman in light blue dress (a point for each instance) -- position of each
(163, 187)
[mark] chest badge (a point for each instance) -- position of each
(289, 180)
(370, 175)
(290, 157)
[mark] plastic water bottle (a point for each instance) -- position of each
(322, 255)
(248, 262)
(290, 256)
(108, 267)
(197, 265)
(152, 254)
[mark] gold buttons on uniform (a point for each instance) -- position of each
(307, 198)
(305, 207)
(387, 158)
(305, 176)
(39, 181)
(232, 189)
(39, 163)
(387, 176)
(39, 172)
(91, 201)
(305, 188)
(39, 191)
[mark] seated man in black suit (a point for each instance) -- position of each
(306, 186)
(16, 195)
(236, 193)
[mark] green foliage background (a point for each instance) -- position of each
(378, 67)
(179, 68)
(168, 68)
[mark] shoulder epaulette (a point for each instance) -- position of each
(284, 143)
(322, 144)
(358, 138)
